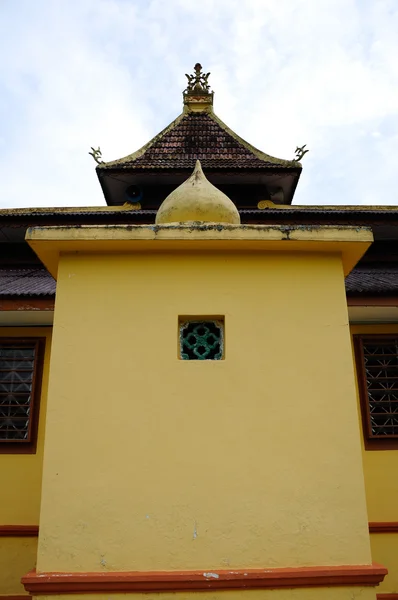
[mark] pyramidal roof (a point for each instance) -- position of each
(198, 134)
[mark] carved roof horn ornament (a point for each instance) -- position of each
(96, 154)
(197, 95)
(299, 152)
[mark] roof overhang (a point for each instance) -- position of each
(372, 314)
(20, 311)
(115, 181)
(50, 242)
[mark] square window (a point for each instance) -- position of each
(377, 367)
(20, 382)
(201, 339)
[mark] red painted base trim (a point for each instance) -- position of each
(19, 530)
(175, 581)
(387, 596)
(383, 527)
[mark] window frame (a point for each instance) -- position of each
(28, 446)
(371, 442)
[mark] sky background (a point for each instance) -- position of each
(81, 73)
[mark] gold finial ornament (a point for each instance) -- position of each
(197, 95)
(197, 200)
(198, 82)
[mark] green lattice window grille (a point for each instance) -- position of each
(201, 340)
(20, 374)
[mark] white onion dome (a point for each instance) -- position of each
(197, 200)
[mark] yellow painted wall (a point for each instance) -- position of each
(17, 557)
(380, 466)
(385, 551)
(156, 463)
(20, 477)
(381, 484)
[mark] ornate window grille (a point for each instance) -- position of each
(20, 379)
(201, 340)
(377, 365)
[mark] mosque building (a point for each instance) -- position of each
(199, 382)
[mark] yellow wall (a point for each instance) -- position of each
(156, 463)
(21, 473)
(380, 466)
(17, 557)
(385, 551)
(20, 477)
(381, 484)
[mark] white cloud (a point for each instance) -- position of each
(111, 72)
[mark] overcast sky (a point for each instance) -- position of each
(81, 73)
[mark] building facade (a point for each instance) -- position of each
(211, 401)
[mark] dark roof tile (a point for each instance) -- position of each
(26, 281)
(372, 280)
(198, 136)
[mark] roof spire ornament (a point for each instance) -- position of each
(197, 95)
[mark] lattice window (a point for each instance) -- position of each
(201, 340)
(20, 373)
(377, 363)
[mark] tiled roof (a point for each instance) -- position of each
(26, 281)
(200, 136)
(373, 280)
